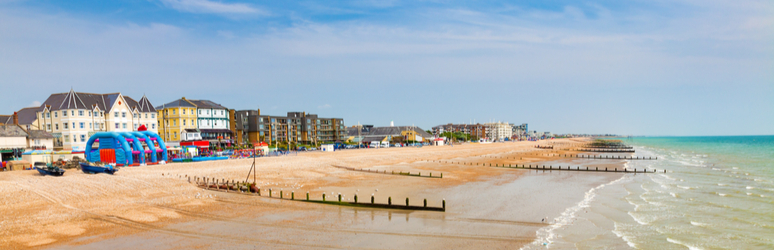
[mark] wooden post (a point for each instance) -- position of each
(307, 196)
(269, 192)
(323, 196)
(281, 196)
(355, 198)
(389, 200)
(425, 202)
(444, 204)
(407, 202)
(292, 195)
(339, 197)
(441, 175)
(372, 199)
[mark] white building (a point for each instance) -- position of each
(499, 131)
(73, 117)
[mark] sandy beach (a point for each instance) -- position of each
(156, 207)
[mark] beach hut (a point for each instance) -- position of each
(327, 148)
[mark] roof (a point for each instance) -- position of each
(207, 104)
(39, 134)
(12, 131)
(177, 103)
(7, 119)
(79, 100)
(27, 115)
(145, 105)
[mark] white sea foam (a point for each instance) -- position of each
(722, 194)
(749, 193)
(683, 187)
(682, 244)
(673, 194)
(722, 185)
(546, 234)
(749, 187)
(699, 224)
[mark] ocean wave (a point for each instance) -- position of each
(682, 244)
(546, 236)
(722, 194)
(684, 187)
(673, 194)
(749, 187)
(699, 224)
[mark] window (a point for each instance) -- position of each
(273, 120)
(56, 126)
(221, 112)
(124, 125)
(72, 113)
(65, 125)
(82, 126)
(123, 114)
(153, 116)
(73, 125)
(67, 138)
(175, 134)
(183, 122)
(153, 126)
(95, 114)
(260, 133)
(173, 111)
(91, 125)
(146, 116)
(192, 123)
(200, 111)
(260, 119)
(48, 126)
(260, 126)
(134, 115)
(64, 114)
(115, 114)
(48, 115)
(117, 125)
(174, 122)
(83, 138)
(208, 122)
(75, 139)
(184, 111)
(80, 112)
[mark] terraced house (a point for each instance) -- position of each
(74, 116)
(177, 121)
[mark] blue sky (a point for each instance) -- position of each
(682, 67)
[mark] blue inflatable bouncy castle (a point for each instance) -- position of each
(126, 148)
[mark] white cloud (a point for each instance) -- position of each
(35, 104)
(325, 106)
(217, 7)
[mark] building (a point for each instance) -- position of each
(177, 119)
(72, 117)
(368, 133)
(499, 131)
(476, 131)
(296, 127)
(214, 123)
(520, 131)
(13, 141)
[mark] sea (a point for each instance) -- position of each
(717, 193)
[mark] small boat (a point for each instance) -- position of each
(44, 169)
(96, 168)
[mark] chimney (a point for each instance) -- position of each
(15, 118)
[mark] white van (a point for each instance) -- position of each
(374, 144)
(385, 144)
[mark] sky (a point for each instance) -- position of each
(680, 67)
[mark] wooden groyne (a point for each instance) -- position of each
(550, 167)
(418, 174)
(607, 150)
(545, 147)
(246, 188)
(598, 157)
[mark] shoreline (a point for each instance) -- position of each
(157, 208)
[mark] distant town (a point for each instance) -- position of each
(65, 121)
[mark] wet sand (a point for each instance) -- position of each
(487, 207)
